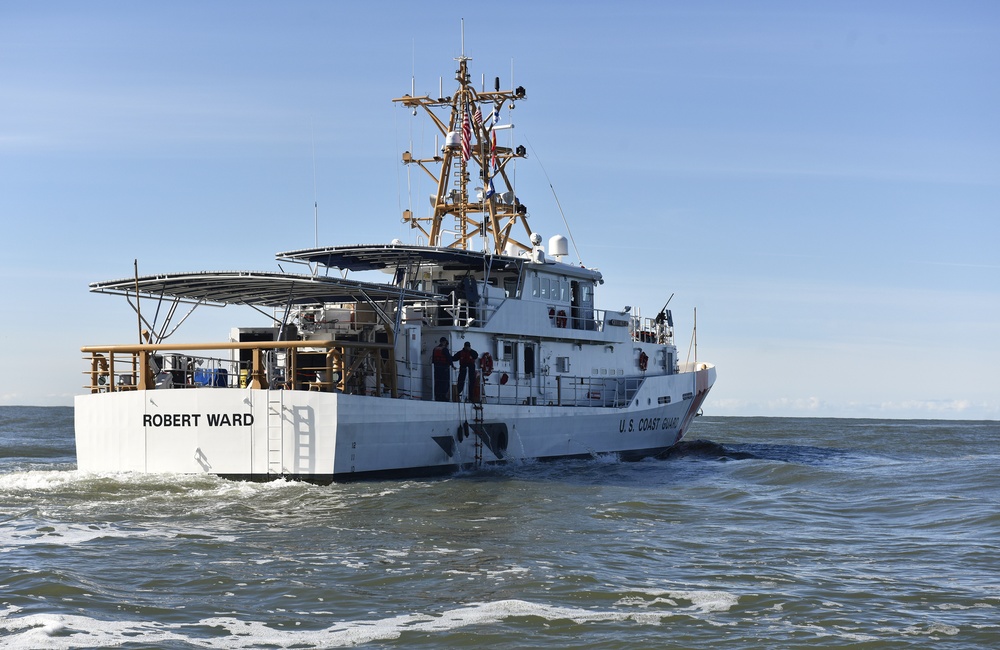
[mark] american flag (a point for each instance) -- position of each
(466, 134)
(478, 117)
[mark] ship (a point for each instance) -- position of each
(473, 345)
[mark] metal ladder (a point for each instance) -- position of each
(477, 419)
(275, 430)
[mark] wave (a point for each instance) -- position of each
(70, 631)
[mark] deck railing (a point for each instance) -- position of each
(342, 366)
(561, 317)
(564, 390)
(347, 366)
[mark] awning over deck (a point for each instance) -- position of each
(395, 256)
(259, 288)
(392, 256)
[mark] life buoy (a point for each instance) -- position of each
(643, 361)
(561, 319)
(486, 364)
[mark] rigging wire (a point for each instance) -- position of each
(399, 185)
(694, 340)
(312, 129)
(395, 123)
(138, 311)
(556, 197)
(510, 140)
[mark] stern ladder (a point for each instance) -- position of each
(477, 419)
(275, 431)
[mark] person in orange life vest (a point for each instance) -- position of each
(466, 358)
(441, 360)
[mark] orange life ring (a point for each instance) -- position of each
(486, 364)
(561, 319)
(643, 361)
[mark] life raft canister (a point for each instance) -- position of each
(486, 364)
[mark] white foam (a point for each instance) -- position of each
(851, 635)
(73, 631)
(440, 550)
(514, 570)
(636, 601)
(39, 480)
(707, 601)
(200, 485)
(930, 630)
(373, 495)
(702, 601)
(946, 606)
(60, 534)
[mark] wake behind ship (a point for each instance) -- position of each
(481, 347)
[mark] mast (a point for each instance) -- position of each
(468, 122)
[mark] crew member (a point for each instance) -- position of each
(466, 358)
(441, 360)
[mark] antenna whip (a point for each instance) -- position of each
(558, 205)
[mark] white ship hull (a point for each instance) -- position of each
(265, 434)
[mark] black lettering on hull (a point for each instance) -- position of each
(194, 419)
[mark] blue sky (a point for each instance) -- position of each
(820, 180)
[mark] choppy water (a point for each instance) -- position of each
(757, 533)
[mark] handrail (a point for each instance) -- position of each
(140, 375)
(232, 345)
(565, 390)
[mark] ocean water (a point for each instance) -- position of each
(755, 533)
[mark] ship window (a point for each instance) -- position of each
(529, 359)
(562, 364)
(536, 284)
(510, 287)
